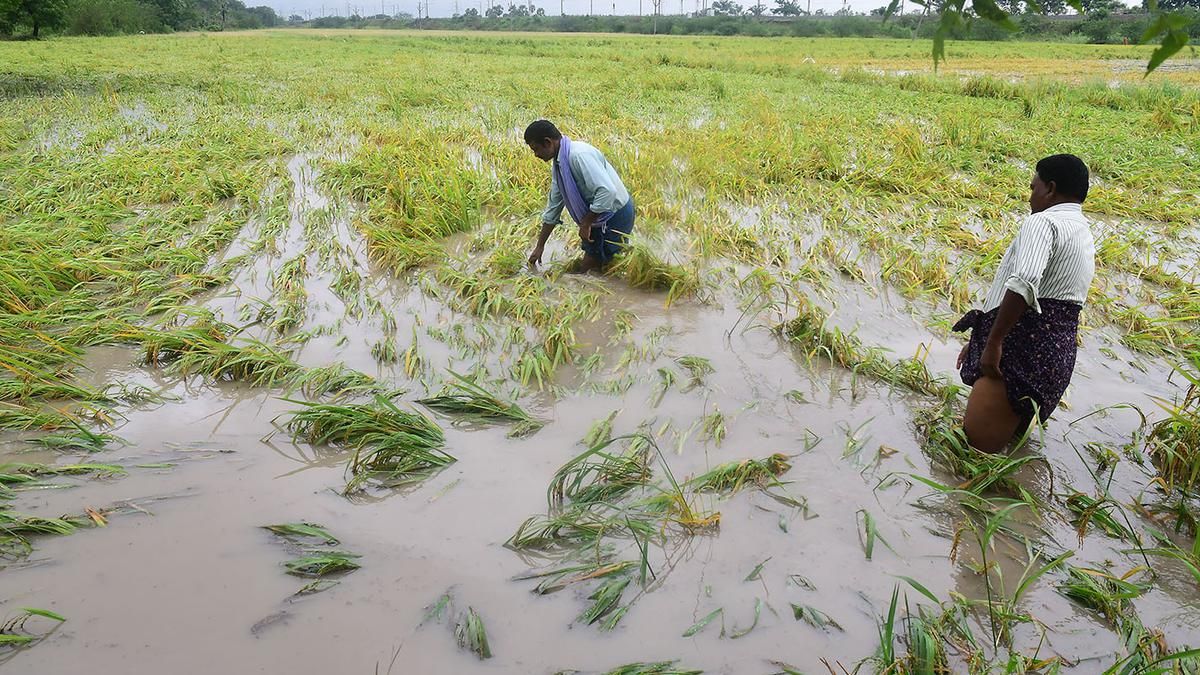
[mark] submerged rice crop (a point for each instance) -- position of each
(392, 447)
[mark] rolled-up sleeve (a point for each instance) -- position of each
(1030, 254)
(593, 172)
(554, 203)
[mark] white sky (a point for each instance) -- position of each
(577, 7)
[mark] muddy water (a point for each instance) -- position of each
(183, 580)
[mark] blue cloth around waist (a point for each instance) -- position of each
(609, 241)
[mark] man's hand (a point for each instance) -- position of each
(962, 356)
(535, 258)
(585, 231)
(989, 361)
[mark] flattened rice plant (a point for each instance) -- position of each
(391, 446)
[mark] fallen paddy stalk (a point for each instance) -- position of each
(392, 447)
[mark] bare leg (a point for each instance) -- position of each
(990, 421)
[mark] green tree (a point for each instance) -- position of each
(787, 8)
(36, 14)
(726, 8)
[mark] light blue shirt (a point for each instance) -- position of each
(598, 183)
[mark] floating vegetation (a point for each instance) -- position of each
(809, 331)
(731, 477)
(813, 617)
(468, 628)
(655, 668)
(472, 635)
(322, 563)
(314, 559)
(467, 400)
(642, 268)
(300, 531)
(392, 447)
(1174, 442)
(13, 632)
(703, 623)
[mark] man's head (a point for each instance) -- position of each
(542, 137)
(1058, 179)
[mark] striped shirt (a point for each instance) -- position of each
(1053, 257)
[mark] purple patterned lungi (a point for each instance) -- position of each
(1037, 359)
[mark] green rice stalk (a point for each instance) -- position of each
(604, 599)
(322, 563)
(466, 399)
(731, 477)
(471, 634)
(302, 531)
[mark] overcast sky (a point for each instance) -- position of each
(447, 7)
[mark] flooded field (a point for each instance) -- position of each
(278, 281)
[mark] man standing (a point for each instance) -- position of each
(1021, 354)
(582, 180)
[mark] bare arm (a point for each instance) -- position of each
(543, 236)
(1011, 308)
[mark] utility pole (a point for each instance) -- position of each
(560, 8)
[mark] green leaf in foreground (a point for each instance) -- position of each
(813, 617)
(654, 668)
(322, 564)
(758, 605)
(699, 625)
(302, 530)
(472, 635)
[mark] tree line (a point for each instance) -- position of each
(33, 18)
(1102, 21)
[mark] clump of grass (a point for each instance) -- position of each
(314, 561)
(813, 617)
(809, 331)
(697, 367)
(297, 531)
(322, 563)
(469, 630)
(946, 444)
(468, 400)
(391, 446)
(652, 668)
(13, 632)
(38, 390)
(472, 635)
(1174, 442)
(600, 433)
(605, 599)
(16, 476)
(1101, 592)
(29, 418)
(558, 578)
(643, 269)
(599, 476)
(733, 476)
(385, 350)
(81, 439)
(1089, 510)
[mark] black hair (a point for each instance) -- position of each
(1068, 173)
(541, 130)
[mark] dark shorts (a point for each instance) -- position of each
(619, 227)
(1038, 356)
